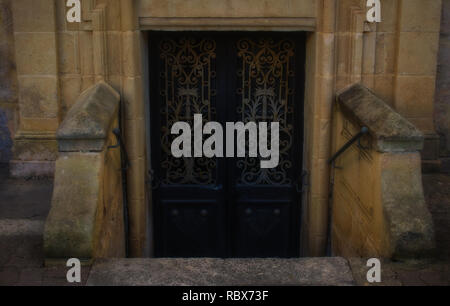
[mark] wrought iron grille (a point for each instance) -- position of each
(266, 92)
(188, 87)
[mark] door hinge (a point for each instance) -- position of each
(153, 180)
(304, 181)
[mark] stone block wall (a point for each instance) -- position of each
(35, 46)
(55, 62)
(442, 108)
(396, 58)
(8, 83)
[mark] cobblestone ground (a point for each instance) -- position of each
(24, 205)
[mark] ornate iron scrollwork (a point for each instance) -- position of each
(188, 87)
(266, 90)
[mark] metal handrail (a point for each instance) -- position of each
(121, 144)
(124, 165)
(364, 130)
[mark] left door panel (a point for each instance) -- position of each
(189, 203)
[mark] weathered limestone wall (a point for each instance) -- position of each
(396, 58)
(442, 109)
(8, 82)
(418, 45)
(56, 61)
(378, 205)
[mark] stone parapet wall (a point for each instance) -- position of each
(86, 217)
(378, 206)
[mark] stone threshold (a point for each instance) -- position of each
(329, 271)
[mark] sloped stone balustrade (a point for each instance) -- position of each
(86, 217)
(378, 205)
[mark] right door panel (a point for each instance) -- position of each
(269, 88)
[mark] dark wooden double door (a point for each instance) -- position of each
(226, 207)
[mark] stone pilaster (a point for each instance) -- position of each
(134, 125)
(320, 79)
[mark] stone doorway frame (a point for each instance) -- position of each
(317, 76)
(303, 25)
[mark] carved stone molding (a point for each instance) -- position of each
(358, 49)
(227, 24)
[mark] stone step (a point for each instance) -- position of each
(21, 227)
(329, 271)
(21, 199)
(21, 243)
